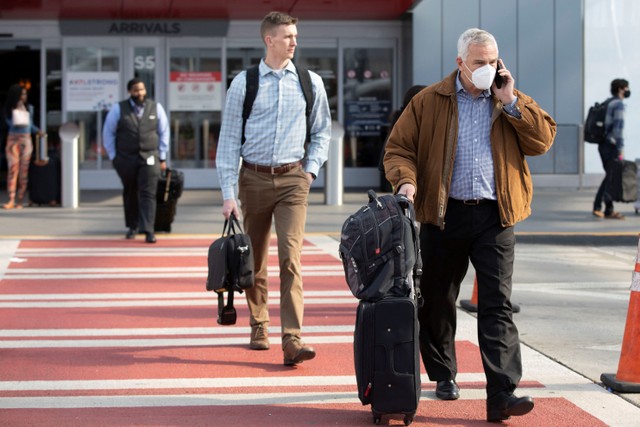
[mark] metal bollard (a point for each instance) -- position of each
(69, 133)
(334, 168)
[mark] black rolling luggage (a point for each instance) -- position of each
(44, 175)
(380, 251)
(387, 357)
(170, 186)
(623, 186)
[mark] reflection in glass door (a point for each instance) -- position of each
(144, 68)
(323, 61)
(85, 63)
(368, 99)
(195, 103)
(239, 59)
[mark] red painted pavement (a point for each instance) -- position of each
(28, 282)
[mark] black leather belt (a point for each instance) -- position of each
(473, 202)
(272, 170)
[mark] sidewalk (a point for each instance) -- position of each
(68, 277)
(559, 216)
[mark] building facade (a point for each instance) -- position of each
(76, 61)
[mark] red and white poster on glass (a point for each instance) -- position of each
(195, 91)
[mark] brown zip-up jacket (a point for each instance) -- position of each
(422, 146)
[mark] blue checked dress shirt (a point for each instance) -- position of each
(276, 129)
(473, 173)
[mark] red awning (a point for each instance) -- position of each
(204, 9)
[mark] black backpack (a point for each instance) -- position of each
(380, 249)
(594, 128)
(253, 83)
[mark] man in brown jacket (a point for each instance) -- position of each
(458, 151)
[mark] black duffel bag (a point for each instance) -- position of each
(231, 268)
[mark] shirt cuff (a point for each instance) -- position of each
(512, 109)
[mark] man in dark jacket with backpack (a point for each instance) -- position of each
(612, 148)
(276, 175)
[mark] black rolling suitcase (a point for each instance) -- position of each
(380, 251)
(44, 176)
(623, 185)
(170, 186)
(387, 357)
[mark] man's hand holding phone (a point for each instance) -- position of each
(503, 84)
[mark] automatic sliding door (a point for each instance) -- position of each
(195, 104)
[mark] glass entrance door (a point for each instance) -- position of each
(195, 102)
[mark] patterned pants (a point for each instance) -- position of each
(19, 148)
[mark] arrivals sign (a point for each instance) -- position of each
(91, 91)
(195, 91)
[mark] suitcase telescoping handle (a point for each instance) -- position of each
(167, 186)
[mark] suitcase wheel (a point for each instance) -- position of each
(377, 419)
(408, 420)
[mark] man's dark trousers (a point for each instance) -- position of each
(471, 233)
(140, 185)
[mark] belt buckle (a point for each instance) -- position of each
(273, 170)
(471, 202)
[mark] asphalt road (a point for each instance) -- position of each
(573, 302)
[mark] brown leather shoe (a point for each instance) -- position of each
(259, 338)
(297, 352)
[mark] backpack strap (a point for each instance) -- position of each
(307, 91)
(253, 82)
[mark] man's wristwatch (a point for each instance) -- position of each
(313, 175)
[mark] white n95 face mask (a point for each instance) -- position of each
(482, 78)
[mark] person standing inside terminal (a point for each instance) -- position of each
(458, 151)
(18, 116)
(612, 148)
(275, 177)
(136, 138)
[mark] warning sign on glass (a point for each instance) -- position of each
(195, 91)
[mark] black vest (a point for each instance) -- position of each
(137, 135)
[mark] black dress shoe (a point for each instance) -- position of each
(502, 406)
(151, 238)
(131, 234)
(447, 390)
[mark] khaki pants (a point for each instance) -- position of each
(283, 198)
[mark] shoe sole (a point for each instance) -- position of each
(447, 396)
(521, 409)
(300, 357)
(259, 346)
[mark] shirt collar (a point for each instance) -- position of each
(265, 69)
(485, 93)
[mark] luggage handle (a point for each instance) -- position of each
(167, 186)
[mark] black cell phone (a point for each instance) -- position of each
(498, 80)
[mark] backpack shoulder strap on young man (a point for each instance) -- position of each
(307, 91)
(253, 83)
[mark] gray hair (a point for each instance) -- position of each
(474, 36)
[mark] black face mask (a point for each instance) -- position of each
(627, 93)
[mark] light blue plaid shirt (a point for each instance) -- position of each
(614, 122)
(473, 173)
(276, 129)
(473, 166)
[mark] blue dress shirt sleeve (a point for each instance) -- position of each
(163, 133)
(109, 131)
